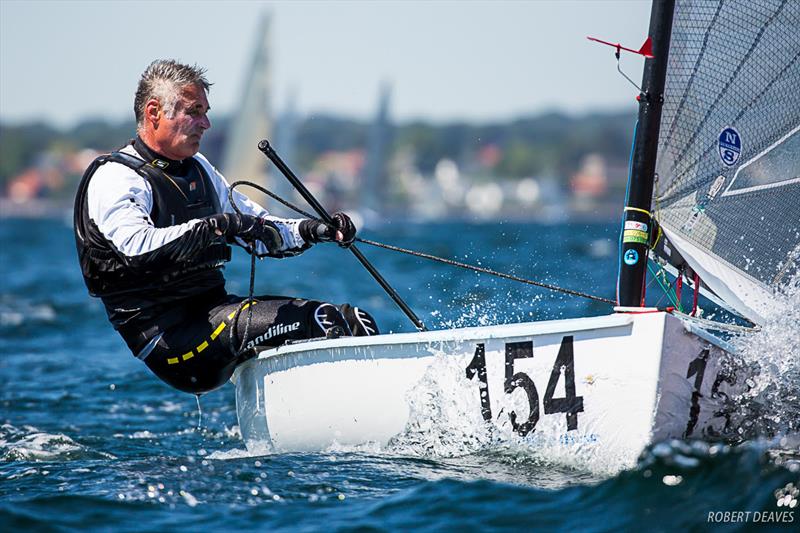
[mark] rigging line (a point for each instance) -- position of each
(248, 303)
(645, 211)
(787, 265)
(649, 284)
(625, 75)
(659, 301)
(486, 271)
(250, 300)
(670, 286)
(661, 298)
(666, 288)
(429, 256)
(720, 326)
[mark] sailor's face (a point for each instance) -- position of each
(179, 132)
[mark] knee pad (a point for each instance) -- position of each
(361, 323)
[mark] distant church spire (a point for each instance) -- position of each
(253, 119)
(375, 186)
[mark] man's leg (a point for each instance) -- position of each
(276, 320)
(201, 354)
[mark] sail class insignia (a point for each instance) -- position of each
(730, 146)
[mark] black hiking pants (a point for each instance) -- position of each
(200, 352)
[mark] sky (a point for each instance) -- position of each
(68, 61)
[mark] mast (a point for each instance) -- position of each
(637, 220)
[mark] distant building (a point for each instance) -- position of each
(598, 188)
(590, 181)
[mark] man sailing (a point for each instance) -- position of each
(153, 224)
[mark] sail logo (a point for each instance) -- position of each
(730, 146)
(631, 257)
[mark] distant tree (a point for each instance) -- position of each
(19, 147)
(101, 135)
(550, 142)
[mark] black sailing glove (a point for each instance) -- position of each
(249, 228)
(314, 231)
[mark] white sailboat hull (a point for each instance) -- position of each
(598, 388)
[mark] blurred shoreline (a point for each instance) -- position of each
(548, 168)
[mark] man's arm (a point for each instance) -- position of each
(119, 203)
(289, 228)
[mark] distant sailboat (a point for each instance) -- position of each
(375, 183)
(253, 118)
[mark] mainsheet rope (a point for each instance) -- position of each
(423, 255)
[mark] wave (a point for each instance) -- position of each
(675, 486)
(17, 311)
(31, 445)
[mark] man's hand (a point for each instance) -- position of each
(249, 228)
(263, 230)
(343, 231)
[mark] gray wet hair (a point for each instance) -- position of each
(162, 80)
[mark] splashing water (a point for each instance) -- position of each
(475, 310)
(444, 413)
(772, 405)
(445, 421)
(166, 475)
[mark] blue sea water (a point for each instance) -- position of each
(90, 440)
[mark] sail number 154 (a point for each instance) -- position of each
(570, 403)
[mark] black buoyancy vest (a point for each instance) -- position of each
(105, 271)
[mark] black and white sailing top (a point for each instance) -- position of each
(145, 242)
(120, 201)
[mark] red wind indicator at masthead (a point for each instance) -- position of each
(646, 50)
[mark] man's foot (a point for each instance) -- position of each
(335, 332)
(331, 321)
(361, 323)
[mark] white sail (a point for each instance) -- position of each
(252, 120)
(728, 174)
